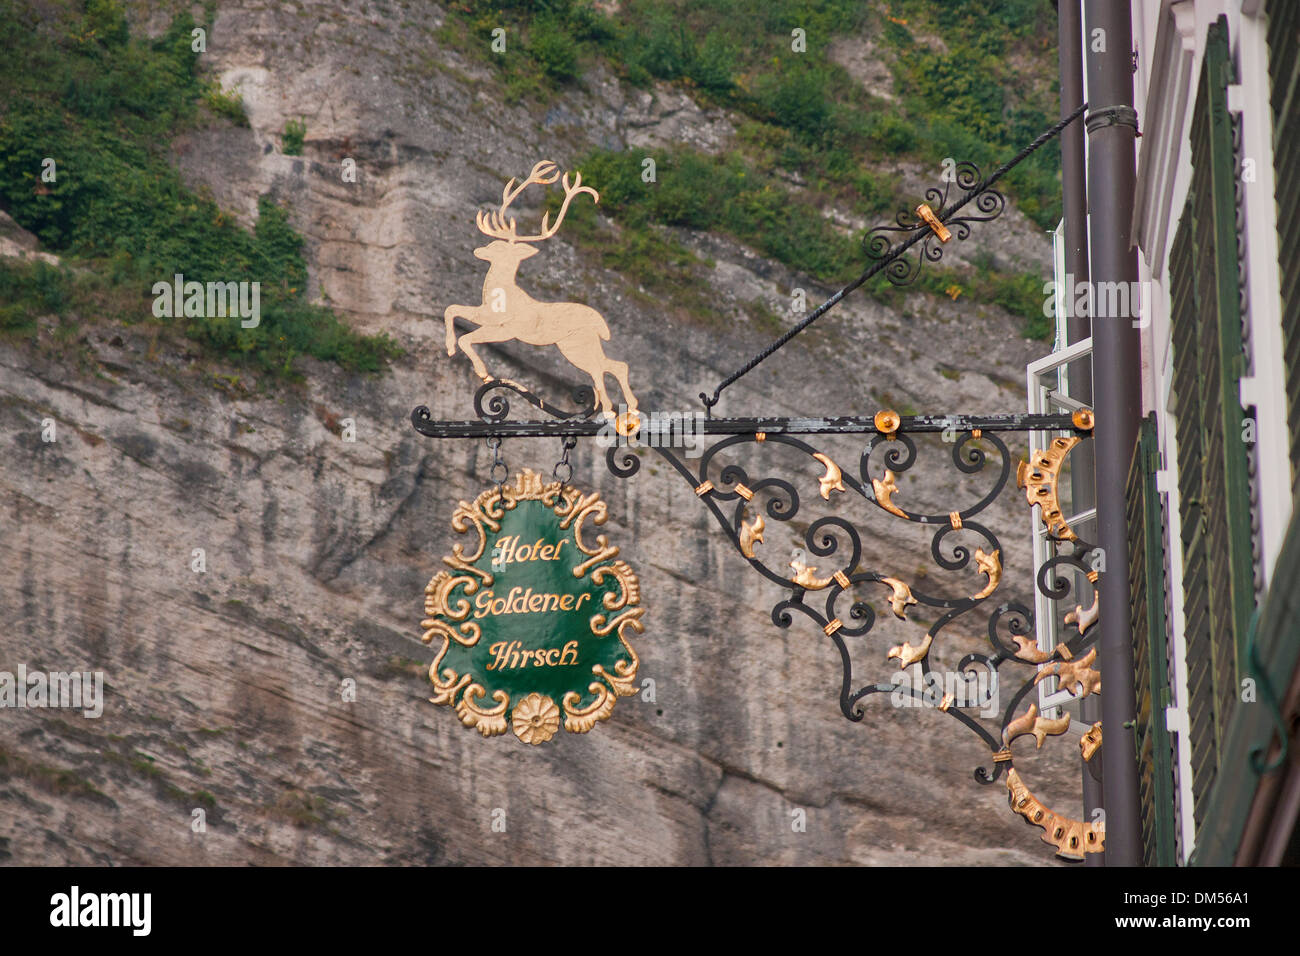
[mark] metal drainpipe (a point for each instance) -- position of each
(1083, 486)
(1117, 386)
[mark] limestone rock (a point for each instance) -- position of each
(223, 687)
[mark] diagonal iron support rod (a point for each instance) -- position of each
(881, 264)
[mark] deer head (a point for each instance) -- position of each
(508, 244)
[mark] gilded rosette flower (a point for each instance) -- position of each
(536, 719)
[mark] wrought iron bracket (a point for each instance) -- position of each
(828, 584)
(829, 566)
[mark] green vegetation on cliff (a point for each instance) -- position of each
(77, 90)
(973, 80)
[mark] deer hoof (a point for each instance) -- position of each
(627, 425)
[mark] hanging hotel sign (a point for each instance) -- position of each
(533, 614)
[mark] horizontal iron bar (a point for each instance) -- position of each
(848, 425)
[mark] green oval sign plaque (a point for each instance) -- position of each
(532, 615)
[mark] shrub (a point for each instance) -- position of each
(554, 50)
(663, 49)
(892, 132)
(227, 103)
(796, 96)
(292, 137)
(714, 63)
(1021, 295)
(28, 290)
(967, 102)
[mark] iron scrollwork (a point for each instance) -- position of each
(834, 547)
(889, 243)
(829, 587)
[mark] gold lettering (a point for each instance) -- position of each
(509, 656)
(525, 601)
(508, 550)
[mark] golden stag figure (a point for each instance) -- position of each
(507, 312)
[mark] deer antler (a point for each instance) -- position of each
(543, 174)
(569, 193)
(495, 223)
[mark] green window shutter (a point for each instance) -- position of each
(1214, 487)
(1146, 537)
(1226, 489)
(1284, 71)
(1196, 599)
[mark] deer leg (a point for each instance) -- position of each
(619, 371)
(585, 358)
(450, 315)
(484, 333)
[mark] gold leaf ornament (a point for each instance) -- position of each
(1039, 727)
(1074, 674)
(901, 597)
(536, 719)
(884, 490)
(833, 480)
(751, 533)
(990, 564)
(907, 654)
(806, 576)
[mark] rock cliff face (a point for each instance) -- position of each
(223, 686)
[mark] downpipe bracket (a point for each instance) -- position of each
(1112, 116)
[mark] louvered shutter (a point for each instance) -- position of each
(1196, 602)
(1218, 567)
(1226, 490)
(1146, 537)
(1284, 72)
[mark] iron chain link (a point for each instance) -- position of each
(499, 471)
(568, 443)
